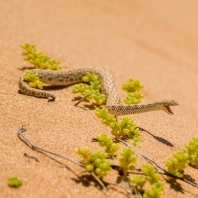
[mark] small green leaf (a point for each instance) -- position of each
(14, 182)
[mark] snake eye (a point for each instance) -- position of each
(169, 102)
(174, 103)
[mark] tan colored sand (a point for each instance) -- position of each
(154, 41)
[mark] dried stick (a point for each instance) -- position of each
(118, 185)
(196, 196)
(82, 99)
(31, 157)
(33, 146)
(152, 160)
(100, 182)
(143, 155)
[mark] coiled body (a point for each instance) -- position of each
(74, 75)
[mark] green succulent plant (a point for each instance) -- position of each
(14, 181)
(192, 150)
(151, 177)
(132, 86)
(105, 141)
(133, 98)
(37, 58)
(178, 163)
(133, 91)
(123, 128)
(33, 80)
(91, 90)
(127, 160)
(95, 162)
(189, 155)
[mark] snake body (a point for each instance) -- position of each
(74, 75)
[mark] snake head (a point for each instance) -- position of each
(166, 105)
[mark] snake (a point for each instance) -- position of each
(74, 75)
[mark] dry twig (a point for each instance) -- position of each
(33, 146)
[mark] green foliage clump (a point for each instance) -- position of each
(107, 118)
(123, 128)
(155, 191)
(111, 147)
(133, 90)
(133, 98)
(95, 162)
(91, 78)
(92, 90)
(33, 80)
(178, 163)
(192, 150)
(132, 86)
(153, 178)
(37, 58)
(139, 182)
(189, 155)
(127, 127)
(14, 182)
(128, 158)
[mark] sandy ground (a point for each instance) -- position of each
(153, 41)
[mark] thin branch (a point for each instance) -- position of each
(187, 181)
(82, 99)
(33, 146)
(196, 196)
(100, 182)
(118, 185)
(130, 190)
(31, 157)
(152, 160)
(143, 155)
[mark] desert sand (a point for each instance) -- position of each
(153, 41)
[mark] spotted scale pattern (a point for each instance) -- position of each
(74, 75)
